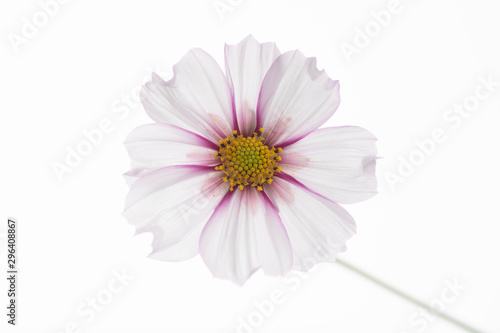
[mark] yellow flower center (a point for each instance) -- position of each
(247, 161)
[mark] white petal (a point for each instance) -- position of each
(154, 146)
(318, 228)
(132, 175)
(246, 65)
(198, 98)
(295, 99)
(244, 234)
(336, 162)
(174, 203)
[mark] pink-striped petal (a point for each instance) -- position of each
(336, 162)
(174, 204)
(197, 98)
(246, 65)
(154, 146)
(318, 228)
(244, 234)
(295, 99)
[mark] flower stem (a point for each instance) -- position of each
(407, 297)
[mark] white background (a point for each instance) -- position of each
(441, 223)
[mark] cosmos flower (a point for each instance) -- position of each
(236, 168)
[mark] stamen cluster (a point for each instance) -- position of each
(246, 161)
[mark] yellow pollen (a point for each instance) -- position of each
(247, 161)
